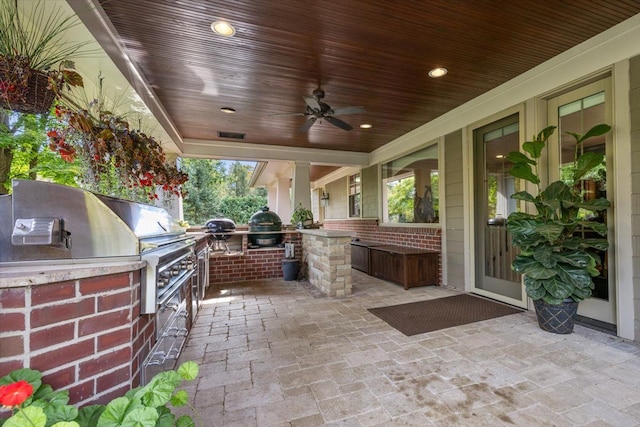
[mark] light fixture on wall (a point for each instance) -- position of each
(324, 199)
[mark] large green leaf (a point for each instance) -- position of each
(595, 243)
(117, 410)
(587, 161)
(524, 171)
(573, 277)
(141, 417)
(558, 288)
(531, 268)
(545, 257)
(551, 231)
(575, 258)
(185, 421)
(180, 398)
(534, 148)
(189, 370)
(557, 190)
(57, 413)
(88, 416)
(30, 416)
(518, 157)
(598, 204)
(598, 227)
(597, 130)
(158, 395)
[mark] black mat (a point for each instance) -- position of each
(427, 316)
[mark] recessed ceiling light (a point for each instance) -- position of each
(228, 110)
(366, 126)
(223, 28)
(437, 72)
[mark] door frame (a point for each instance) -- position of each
(469, 193)
(592, 308)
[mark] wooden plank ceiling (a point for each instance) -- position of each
(374, 54)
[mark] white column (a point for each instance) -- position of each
(301, 185)
(282, 203)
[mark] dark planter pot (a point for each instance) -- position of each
(558, 319)
(290, 269)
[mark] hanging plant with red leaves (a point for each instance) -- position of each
(106, 140)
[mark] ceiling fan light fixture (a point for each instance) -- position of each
(228, 110)
(366, 126)
(223, 28)
(437, 72)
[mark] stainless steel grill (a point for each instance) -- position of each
(45, 223)
(41, 222)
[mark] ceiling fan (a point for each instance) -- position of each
(319, 110)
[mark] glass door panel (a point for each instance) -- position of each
(493, 189)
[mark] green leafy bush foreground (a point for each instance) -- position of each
(35, 404)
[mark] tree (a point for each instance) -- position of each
(238, 179)
(204, 190)
(24, 153)
(400, 197)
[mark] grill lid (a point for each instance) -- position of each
(265, 220)
(220, 225)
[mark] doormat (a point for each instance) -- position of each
(440, 313)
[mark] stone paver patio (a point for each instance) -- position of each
(276, 353)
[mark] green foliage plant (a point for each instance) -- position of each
(301, 215)
(556, 262)
(35, 404)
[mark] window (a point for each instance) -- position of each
(354, 196)
(410, 188)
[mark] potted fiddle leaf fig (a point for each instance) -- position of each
(559, 243)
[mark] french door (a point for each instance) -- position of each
(577, 111)
(492, 201)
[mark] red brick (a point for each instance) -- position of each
(107, 397)
(114, 339)
(54, 292)
(104, 283)
(103, 322)
(12, 298)
(12, 322)
(57, 313)
(51, 336)
(82, 392)
(104, 362)
(12, 346)
(109, 302)
(60, 378)
(116, 378)
(10, 366)
(62, 355)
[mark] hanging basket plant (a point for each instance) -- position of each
(106, 140)
(35, 61)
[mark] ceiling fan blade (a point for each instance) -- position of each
(312, 103)
(337, 122)
(347, 110)
(287, 114)
(305, 127)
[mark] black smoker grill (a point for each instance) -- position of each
(221, 229)
(262, 225)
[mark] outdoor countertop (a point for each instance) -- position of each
(38, 273)
(326, 233)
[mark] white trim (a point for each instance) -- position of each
(622, 200)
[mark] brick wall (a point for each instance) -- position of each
(368, 230)
(86, 336)
(412, 237)
(252, 264)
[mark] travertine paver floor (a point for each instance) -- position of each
(276, 353)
